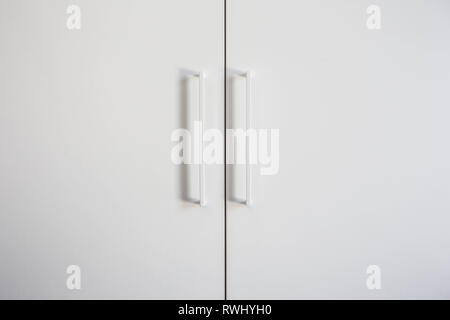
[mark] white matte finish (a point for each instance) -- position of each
(86, 176)
(364, 173)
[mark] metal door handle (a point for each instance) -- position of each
(249, 124)
(201, 115)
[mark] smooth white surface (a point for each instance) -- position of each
(364, 173)
(86, 176)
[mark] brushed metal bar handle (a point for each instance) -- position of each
(201, 115)
(249, 124)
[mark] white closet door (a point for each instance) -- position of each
(364, 161)
(86, 176)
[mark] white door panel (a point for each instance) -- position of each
(364, 176)
(86, 176)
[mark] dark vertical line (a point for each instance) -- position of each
(225, 140)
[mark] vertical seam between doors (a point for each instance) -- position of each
(225, 142)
